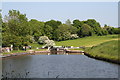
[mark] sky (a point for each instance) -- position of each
(103, 12)
(60, 0)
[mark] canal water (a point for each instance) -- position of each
(57, 66)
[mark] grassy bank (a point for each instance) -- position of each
(107, 51)
(87, 41)
(35, 45)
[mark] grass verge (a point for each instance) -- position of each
(105, 51)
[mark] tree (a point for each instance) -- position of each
(85, 30)
(31, 39)
(109, 29)
(17, 23)
(15, 30)
(77, 23)
(36, 28)
(63, 32)
(15, 15)
(104, 32)
(50, 27)
(72, 29)
(96, 27)
(116, 30)
(54, 24)
(48, 30)
(17, 41)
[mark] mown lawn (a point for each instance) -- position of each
(87, 41)
(108, 50)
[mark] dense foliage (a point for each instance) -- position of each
(18, 31)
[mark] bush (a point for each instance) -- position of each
(74, 36)
(49, 43)
(42, 39)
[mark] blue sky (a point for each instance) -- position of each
(103, 12)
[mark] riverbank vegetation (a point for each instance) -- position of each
(105, 51)
(18, 31)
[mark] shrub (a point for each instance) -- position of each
(49, 43)
(74, 36)
(42, 39)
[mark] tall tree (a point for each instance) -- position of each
(62, 33)
(77, 23)
(17, 23)
(85, 30)
(48, 30)
(96, 27)
(17, 29)
(36, 28)
(54, 24)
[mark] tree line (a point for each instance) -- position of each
(18, 31)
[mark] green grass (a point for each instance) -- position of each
(87, 41)
(107, 50)
(35, 45)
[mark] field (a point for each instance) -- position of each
(87, 41)
(107, 50)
